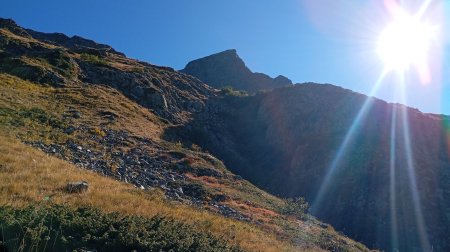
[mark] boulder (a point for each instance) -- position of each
(77, 187)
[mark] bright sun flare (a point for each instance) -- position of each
(405, 42)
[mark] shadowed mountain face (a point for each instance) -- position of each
(228, 69)
(286, 141)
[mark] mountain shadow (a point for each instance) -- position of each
(286, 140)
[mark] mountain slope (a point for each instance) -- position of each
(228, 69)
(86, 104)
(44, 59)
(31, 176)
(285, 141)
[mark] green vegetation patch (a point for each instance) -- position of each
(24, 117)
(229, 91)
(297, 207)
(60, 228)
(94, 59)
(33, 124)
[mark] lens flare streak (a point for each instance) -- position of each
(412, 172)
(423, 9)
(448, 141)
(347, 141)
(392, 184)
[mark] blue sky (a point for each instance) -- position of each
(324, 41)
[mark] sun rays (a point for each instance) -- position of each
(349, 137)
(405, 42)
(412, 170)
(392, 181)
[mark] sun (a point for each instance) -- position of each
(405, 41)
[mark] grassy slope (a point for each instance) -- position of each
(31, 176)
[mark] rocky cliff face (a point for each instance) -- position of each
(285, 141)
(228, 69)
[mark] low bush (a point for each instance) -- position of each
(60, 228)
(94, 59)
(296, 207)
(34, 114)
(229, 91)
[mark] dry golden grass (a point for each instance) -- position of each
(89, 100)
(242, 190)
(30, 176)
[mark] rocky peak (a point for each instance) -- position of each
(6, 23)
(282, 80)
(227, 60)
(11, 25)
(228, 57)
(228, 69)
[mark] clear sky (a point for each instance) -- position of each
(324, 41)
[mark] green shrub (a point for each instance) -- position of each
(36, 115)
(296, 207)
(60, 228)
(94, 59)
(42, 117)
(228, 90)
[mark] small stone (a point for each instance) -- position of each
(69, 130)
(76, 114)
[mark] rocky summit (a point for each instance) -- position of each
(227, 69)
